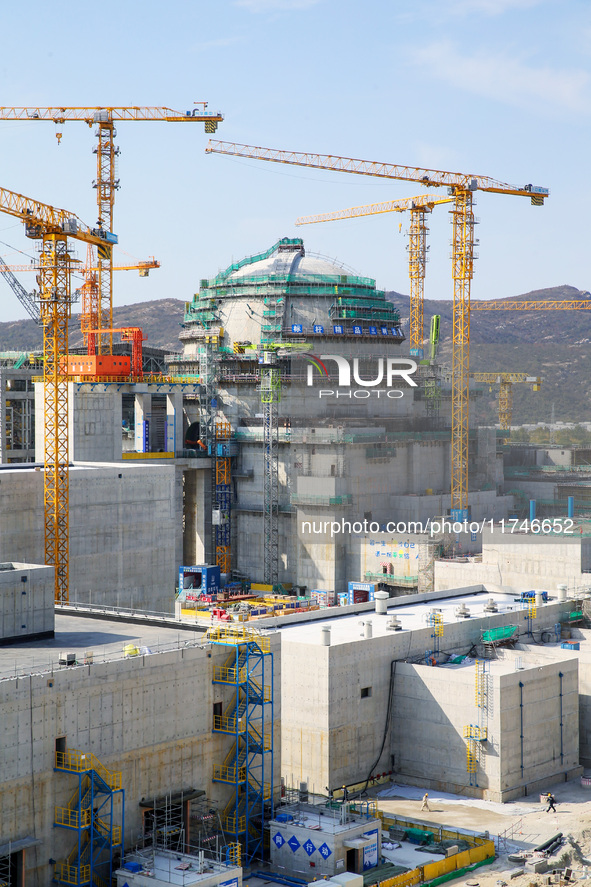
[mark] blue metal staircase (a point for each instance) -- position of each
(248, 764)
(90, 814)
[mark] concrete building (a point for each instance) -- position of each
(26, 602)
(134, 700)
(131, 525)
(325, 840)
(17, 406)
(364, 697)
(524, 560)
(356, 437)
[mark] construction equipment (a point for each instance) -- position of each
(506, 382)
(530, 305)
(90, 314)
(27, 300)
(53, 227)
(106, 182)
(417, 249)
(131, 334)
(461, 189)
(144, 268)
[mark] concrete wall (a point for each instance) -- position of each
(332, 735)
(150, 717)
(126, 534)
(433, 705)
(522, 562)
(26, 601)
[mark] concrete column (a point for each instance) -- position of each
(174, 422)
(197, 544)
(142, 413)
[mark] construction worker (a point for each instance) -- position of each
(551, 802)
(426, 802)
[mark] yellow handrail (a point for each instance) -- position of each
(71, 874)
(70, 818)
(81, 762)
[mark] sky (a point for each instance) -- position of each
(499, 88)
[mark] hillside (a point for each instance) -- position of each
(550, 344)
(160, 320)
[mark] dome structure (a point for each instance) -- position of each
(284, 293)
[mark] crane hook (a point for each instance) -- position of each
(58, 136)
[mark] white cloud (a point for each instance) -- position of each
(275, 5)
(506, 78)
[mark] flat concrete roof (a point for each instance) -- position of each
(106, 639)
(411, 614)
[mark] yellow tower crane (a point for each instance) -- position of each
(531, 305)
(417, 249)
(461, 189)
(506, 382)
(53, 227)
(106, 182)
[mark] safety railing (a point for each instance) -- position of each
(233, 725)
(222, 674)
(231, 775)
(71, 818)
(71, 874)
(80, 762)
(238, 634)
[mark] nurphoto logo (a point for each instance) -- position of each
(388, 370)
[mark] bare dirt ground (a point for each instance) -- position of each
(524, 823)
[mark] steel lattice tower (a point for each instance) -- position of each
(270, 397)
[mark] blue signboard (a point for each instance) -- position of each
(278, 840)
(338, 329)
(318, 328)
(370, 852)
(373, 330)
(309, 847)
(325, 851)
(357, 331)
(294, 843)
(384, 330)
(297, 328)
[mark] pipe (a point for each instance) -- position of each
(521, 720)
(532, 509)
(547, 843)
(571, 506)
(560, 675)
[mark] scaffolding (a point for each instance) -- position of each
(270, 388)
(249, 719)
(90, 814)
(5, 879)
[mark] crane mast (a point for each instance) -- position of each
(461, 188)
(106, 182)
(53, 227)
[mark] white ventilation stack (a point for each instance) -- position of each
(381, 601)
(463, 612)
(561, 589)
(368, 629)
(491, 606)
(325, 635)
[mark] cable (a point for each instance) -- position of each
(386, 725)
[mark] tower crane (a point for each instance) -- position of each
(417, 249)
(26, 299)
(506, 382)
(53, 227)
(461, 189)
(106, 182)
